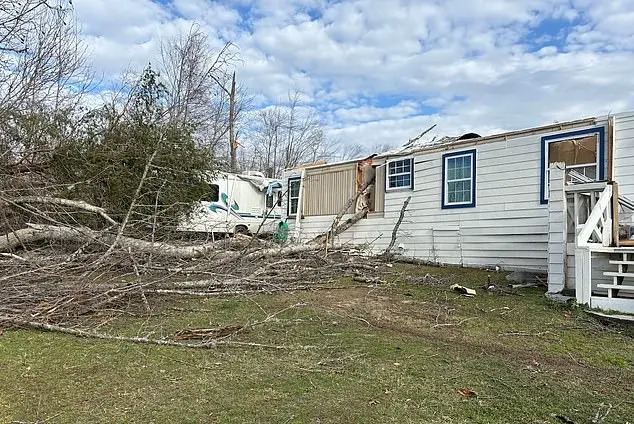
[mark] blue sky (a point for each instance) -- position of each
(380, 71)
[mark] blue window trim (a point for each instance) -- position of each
(564, 136)
(288, 203)
(387, 175)
(446, 156)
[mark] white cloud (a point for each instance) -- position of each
(372, 113)
(381, 71)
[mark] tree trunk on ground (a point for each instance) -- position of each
(61, 202)
(39, 233)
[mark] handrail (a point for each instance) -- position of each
(591, 226)
(583, 182)
(586, 187)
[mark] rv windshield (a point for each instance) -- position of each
(213, 195)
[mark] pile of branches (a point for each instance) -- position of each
(56, 272)
(64, 289)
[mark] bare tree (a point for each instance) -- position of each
(288, 135)
(43, 75)
(203, 93)
(191, 72)
(42, 59)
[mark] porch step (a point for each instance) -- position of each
(615, 287)
(603, 249)
(622, 262)
(619, 274)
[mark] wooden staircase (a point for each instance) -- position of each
(595, 250)
(619, 294)
(618, 287)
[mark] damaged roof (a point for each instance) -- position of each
(471, 138)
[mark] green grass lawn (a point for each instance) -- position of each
(397, 353)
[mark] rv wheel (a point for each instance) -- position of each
(241, 229)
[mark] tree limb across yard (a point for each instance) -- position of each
(38, 233)
(60, 202)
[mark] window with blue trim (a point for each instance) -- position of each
(400, 174)
(458, 177)
(582, 151)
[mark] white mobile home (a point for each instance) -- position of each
(237, 204)
(485, 201)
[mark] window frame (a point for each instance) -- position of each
(208, 198)
(410, 173)
(290, 197)
(275, 200)
(445, 187)
(554, 138)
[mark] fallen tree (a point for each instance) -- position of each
(39, 233)
(59, 202)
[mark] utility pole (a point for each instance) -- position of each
(233, 143)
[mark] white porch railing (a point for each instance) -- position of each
(597, 230)
(594, 234)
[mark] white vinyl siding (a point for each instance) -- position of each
(509, 227)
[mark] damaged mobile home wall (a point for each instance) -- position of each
(624, 176)
(508, 226)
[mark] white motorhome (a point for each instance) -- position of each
(237, 203)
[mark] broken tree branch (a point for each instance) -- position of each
(60, 202)
(141, 340)
(397, 226)
(349, 222)
(131, 208)
(38, 233)
(336, 227)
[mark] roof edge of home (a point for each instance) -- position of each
(559, 126)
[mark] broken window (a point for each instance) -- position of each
(293, 195)
(400, 174)
(579, 155)
(213, 195)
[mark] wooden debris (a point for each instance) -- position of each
(523, 286)
(466, 393)
(208, 333)
(562, 419)
(463, 290)
(427, 279)
(369, 280)
(140, 340)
